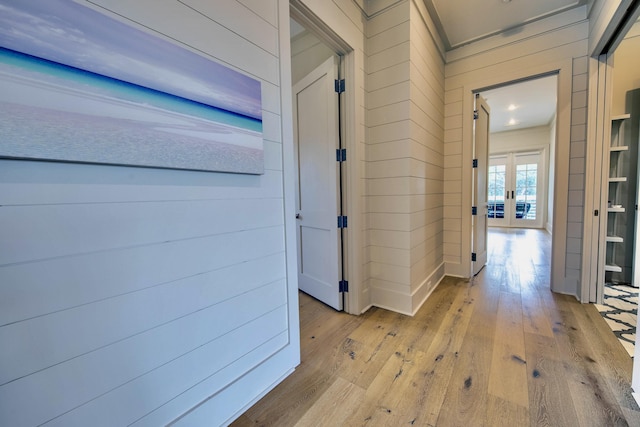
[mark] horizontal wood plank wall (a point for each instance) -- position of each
(427, 155)
(130, 295)
(577, 161)
(560, 38)
(388, 157)
(405, 92)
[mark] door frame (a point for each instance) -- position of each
(564, 70)
(599, 103)
(353, 300)
(599, 135)
(312, 285)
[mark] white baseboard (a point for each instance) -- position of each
(456, 270)
(422, 292)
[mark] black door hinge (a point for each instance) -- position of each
(343, 286)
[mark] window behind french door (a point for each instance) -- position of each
(516, 191)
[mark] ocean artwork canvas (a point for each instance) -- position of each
(77, 85)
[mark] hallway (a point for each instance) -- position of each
(498, 350)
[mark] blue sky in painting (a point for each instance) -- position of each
(69, 33)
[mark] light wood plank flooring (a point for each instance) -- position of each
(499, 350)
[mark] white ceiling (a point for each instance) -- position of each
(465, 21)
(522, 105)
(461, 22)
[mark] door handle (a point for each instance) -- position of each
(298, 216)
(512, 195)
(507, 194)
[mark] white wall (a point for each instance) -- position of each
(555, 44)
(552, 167)
(519, 140)
(405, 94)
(307, 53)
(388, 155)
(129, 296)
(427, 155)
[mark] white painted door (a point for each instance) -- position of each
(516, 190)
(481, 154)
(315, 111)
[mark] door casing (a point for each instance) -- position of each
(564, 70)
(342, 43)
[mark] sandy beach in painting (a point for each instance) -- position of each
(90, 119)
(81, 86)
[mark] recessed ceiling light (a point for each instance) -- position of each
(506, 1)
(513, 122)
(512, 107)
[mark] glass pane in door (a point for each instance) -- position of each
(526, 191)
(495, 196)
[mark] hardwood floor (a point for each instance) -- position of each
(498, 350)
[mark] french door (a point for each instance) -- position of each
(516, 191)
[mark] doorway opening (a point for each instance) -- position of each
(320, 154)
(615, 290)
(521, 151)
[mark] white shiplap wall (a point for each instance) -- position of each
(427, 154)
(577, 154)
(405, 91)
(130, 296)
(558, 43)
(388, 156)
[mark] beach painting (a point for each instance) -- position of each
(77, 85)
